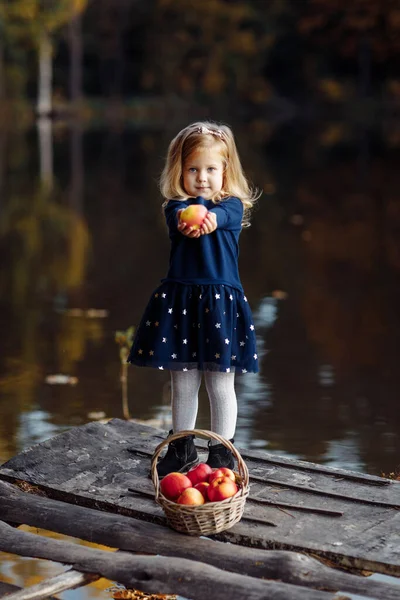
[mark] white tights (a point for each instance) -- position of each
(185, 387)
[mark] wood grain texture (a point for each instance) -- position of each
(137, 536)
(97, 465)
(7, 588)
(69, 580)
(154, 573)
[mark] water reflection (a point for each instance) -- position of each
(253, 390)
(34, 426)
(320, 265)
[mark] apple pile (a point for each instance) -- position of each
(200, 485)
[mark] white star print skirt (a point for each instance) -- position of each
(204, 327)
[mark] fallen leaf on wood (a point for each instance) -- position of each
(119, 594)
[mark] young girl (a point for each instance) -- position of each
(198, 320)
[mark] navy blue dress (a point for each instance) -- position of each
(199, 317)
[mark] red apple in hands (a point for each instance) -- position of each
(203, 487)
(192, 497)
(221, 488)
(199, 473)
(193, 215)
(222, 472)
(174, 484)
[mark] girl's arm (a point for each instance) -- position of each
(171, 214)
(228, 214)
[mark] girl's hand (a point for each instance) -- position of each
(186, 229)
(209, 224)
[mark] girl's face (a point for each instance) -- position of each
(203, 173)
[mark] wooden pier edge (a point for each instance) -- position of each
(190, 579)
(304, 525)
(133, 535)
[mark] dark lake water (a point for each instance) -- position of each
(320, 266)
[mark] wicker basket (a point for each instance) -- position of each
(211, 517)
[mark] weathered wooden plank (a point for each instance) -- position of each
(322, 511)
(69, 580)
(300, 507)
(263, 462)
(326, 493)
(132, 535)
(264, 458)
(6, 589)
(338, 473)
(316, 482)
(139, 442)
(92, 466)
(154, 573)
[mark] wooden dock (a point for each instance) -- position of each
(308, 531)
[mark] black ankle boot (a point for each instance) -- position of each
(181, 456)
(220, 456)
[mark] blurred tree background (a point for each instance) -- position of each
(252, 56)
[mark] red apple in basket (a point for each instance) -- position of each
(194, 215)
(174, 484)
(200, 472)
(221, 488)
(222, 472)
(203, 487)
(192, 497)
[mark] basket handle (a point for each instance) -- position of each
(242, 467)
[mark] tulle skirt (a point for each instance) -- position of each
(205, 327)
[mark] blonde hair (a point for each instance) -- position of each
(202, 135)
